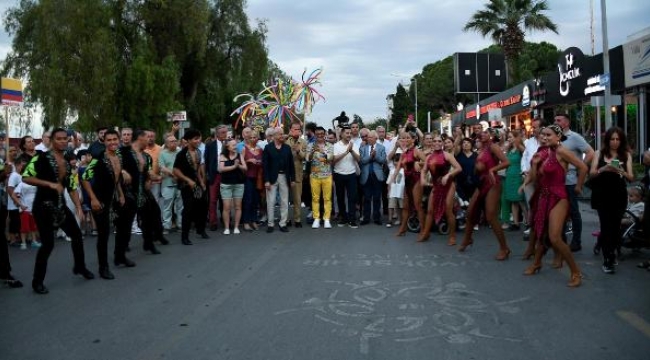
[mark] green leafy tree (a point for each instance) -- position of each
(377, 123)
(98, 62)
(506, 22)
(401, 106)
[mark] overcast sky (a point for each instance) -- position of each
(367, 46)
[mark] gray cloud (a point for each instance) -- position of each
(361, 43)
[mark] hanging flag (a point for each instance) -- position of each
(12, 92)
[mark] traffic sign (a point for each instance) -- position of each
(604, 79)
(177, 116)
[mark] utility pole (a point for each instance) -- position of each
(608, 91)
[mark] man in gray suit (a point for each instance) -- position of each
(373, 158)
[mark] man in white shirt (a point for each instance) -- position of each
(531, 145)
(45, 142)
(355, 134)
(346, 159)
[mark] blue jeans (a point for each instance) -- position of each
(346, 185)
(251, 201)
(574, 212)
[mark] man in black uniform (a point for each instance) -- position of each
(101, 181)
(52, 174)
(135, 171)
(189, 172)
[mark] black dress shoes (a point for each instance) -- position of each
(204, 235)
(284, 229)
(186, 241)
(151, 248)
(365, 222)
(124, 261)
(269, 229)
(105, 273)
(13, 283)
(84, 272)
(39, 288)
(298, 225)
(289, 223)
(164, 241)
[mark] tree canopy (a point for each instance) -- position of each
(110, 62)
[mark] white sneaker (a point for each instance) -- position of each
(527, 232)
(236, 231)
(475, 227)
(68, 239)
(23, 246)
(316, 224)
(36, 244)
(327, 224)
(226, 232)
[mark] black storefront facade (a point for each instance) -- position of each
(568, 90)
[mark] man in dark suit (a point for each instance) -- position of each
(373, 158)
(211, 156)
(279, 174)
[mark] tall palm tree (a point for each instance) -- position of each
(507, 21)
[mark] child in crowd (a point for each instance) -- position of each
(13, 203)
(396, 183)
(27, 193)
(635, 204)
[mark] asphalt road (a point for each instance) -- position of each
(328, 294)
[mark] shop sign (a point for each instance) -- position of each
(594, 85)
(569, 69)
(480, 110)
(636, 57)
(525, 96)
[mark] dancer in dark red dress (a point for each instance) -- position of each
(551, 204)
(490, 159)
(443, 168)
(412, 178)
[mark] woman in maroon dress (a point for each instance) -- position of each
(490, 159)
(443, 168)
(552, 205)
(413, 188)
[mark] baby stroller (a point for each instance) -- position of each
(632, 236)
(413, 223)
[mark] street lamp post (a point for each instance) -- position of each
(416, 99)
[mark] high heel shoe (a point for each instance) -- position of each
(503, 255)
(451, 242)
(465, 245)
(528, 254)
(152, 248)
(423, 238)
(83, 272)
(557, 262)
(533, 269)
(401, 233)
(576, 280)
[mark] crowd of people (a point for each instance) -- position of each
(348, 176)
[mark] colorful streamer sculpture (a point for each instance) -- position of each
(280, 101)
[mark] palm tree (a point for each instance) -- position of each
(506, 21)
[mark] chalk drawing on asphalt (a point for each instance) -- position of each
(408, 312)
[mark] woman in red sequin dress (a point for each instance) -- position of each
(443, 168)
(490, 159)
(408, 160)
(551, 203)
